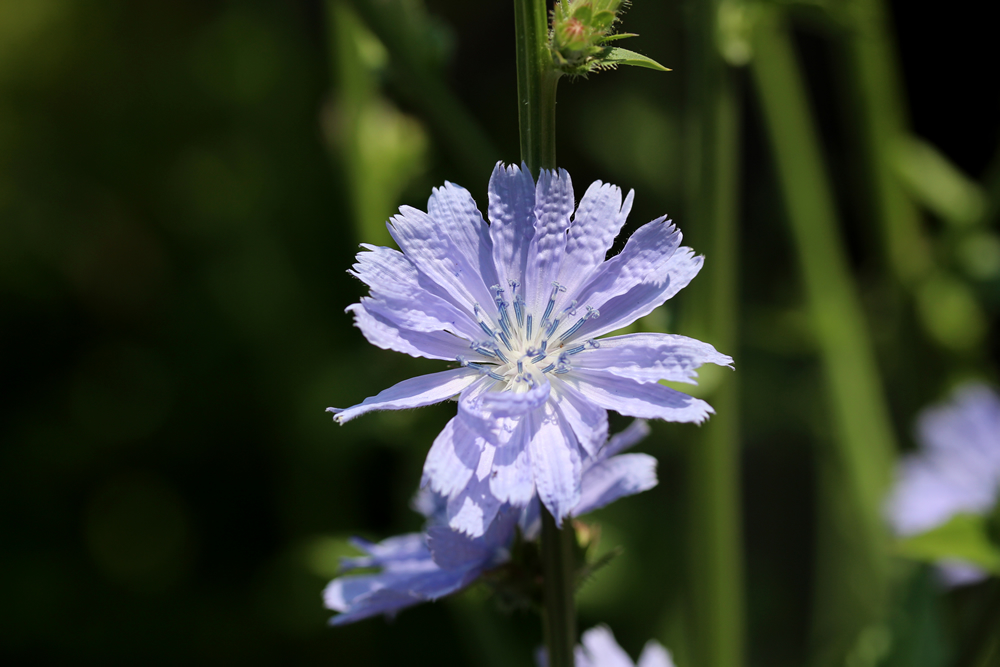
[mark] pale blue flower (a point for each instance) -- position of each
(956, 470)
(598, 648)
(419, 567)
(519, 304)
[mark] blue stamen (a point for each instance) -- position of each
(506, 341)
(573, 329)
(552, 327)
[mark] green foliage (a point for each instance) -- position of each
(965, 538)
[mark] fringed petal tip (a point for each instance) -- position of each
(336, 412)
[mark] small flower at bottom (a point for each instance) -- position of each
(598, 648)
(955, 471)
(520, 304)
(420, 567)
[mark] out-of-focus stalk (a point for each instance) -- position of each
(714, 593)
(851, 575)
(558, 588)
(874, 75)
(536, 105)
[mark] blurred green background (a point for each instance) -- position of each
(183, 186)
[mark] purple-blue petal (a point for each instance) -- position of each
(650, 357)
(614, 478)
(412, 393)
(553, 209)
(381, 332)
(512, 221)
(636, 399)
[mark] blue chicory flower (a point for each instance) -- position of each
(419, 567)
(598, 648)
(956, 470)
(520, 303)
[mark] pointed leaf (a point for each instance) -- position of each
(616, 37)
(619, 56)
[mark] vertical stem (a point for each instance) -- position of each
(874, 75)
(536, 85)
(559, 617)
(715, 590)
(536, 107)
(852, 569)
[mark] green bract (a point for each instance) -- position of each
(581, 36)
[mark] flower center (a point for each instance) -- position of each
(524, 347)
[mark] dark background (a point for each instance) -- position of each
(175, 229)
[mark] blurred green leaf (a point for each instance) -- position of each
(939, 185)
(962, 538)
(950, 312)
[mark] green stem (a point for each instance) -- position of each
(852, 569)
(536, 85)
(715, 585)
(559, 615)
(536, 110)
(873, 74)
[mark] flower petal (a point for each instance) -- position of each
(360, 598)
(647, 272)
(512, 220)
(512, 480)
(473, 509)
(412, 546)
(646, 297)
(453, 206)
(427, 242)
(452, 459)
(621, 441)
(614, 478)
(654, 655)
(588, 421)
(555, 463)
(412, 393)
(453, 550)
(498, 404)
(649, 357)
(599, 649)
(488, 414)
(387, 593)
(385, 268)
(598, 219)
(423, 312)
(381, 332)
(628, 397)
(553, 209)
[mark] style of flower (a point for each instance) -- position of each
(519, 304)
(598, 648)
(955, 471)
(420, 567)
